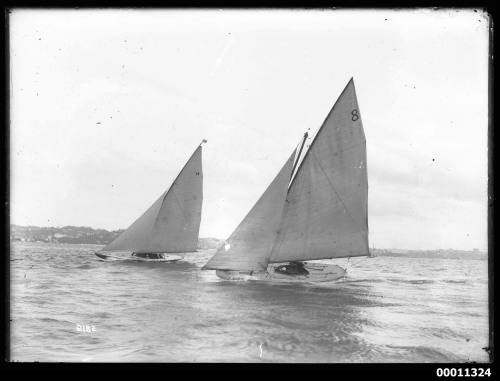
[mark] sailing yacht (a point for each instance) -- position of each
(318, 212)
(170, 226)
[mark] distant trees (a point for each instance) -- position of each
(80, 235)
(66, 234)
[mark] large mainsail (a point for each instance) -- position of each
(250, 244)
(325, 215)
(171, 224)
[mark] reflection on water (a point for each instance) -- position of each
(386, 310)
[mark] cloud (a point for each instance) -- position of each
(104, 115)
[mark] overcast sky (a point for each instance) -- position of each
(107, 106)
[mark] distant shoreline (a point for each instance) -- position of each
(204, 244)
(89, 236)
(80, 235)
(438, 255)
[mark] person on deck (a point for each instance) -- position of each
(293, 268)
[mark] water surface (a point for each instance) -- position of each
(386, 310)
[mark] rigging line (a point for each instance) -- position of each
(333, 187)
(176, 178)
(277, 240)
(163, 203)
(298, 155)
(280, 238)
(280, 225)
(337, 153)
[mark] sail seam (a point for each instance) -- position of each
(279, 240)
(338, 196)
(351, 147)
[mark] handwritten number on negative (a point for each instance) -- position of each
(355, 115)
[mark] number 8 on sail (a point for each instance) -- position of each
(319, 211)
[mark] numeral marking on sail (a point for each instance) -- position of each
(197, 173)
(355, 115)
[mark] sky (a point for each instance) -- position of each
(108, 105)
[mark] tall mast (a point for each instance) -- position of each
(300, 151)
(326, 215)
(171, 224)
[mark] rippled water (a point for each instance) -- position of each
(386, 310)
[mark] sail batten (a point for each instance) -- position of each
(171, 224)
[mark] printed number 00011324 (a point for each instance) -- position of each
(463, 372)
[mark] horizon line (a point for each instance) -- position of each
(223, 239)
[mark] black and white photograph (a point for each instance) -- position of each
(249, 185)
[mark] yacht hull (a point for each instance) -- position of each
(318, 272)
(128, 257)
